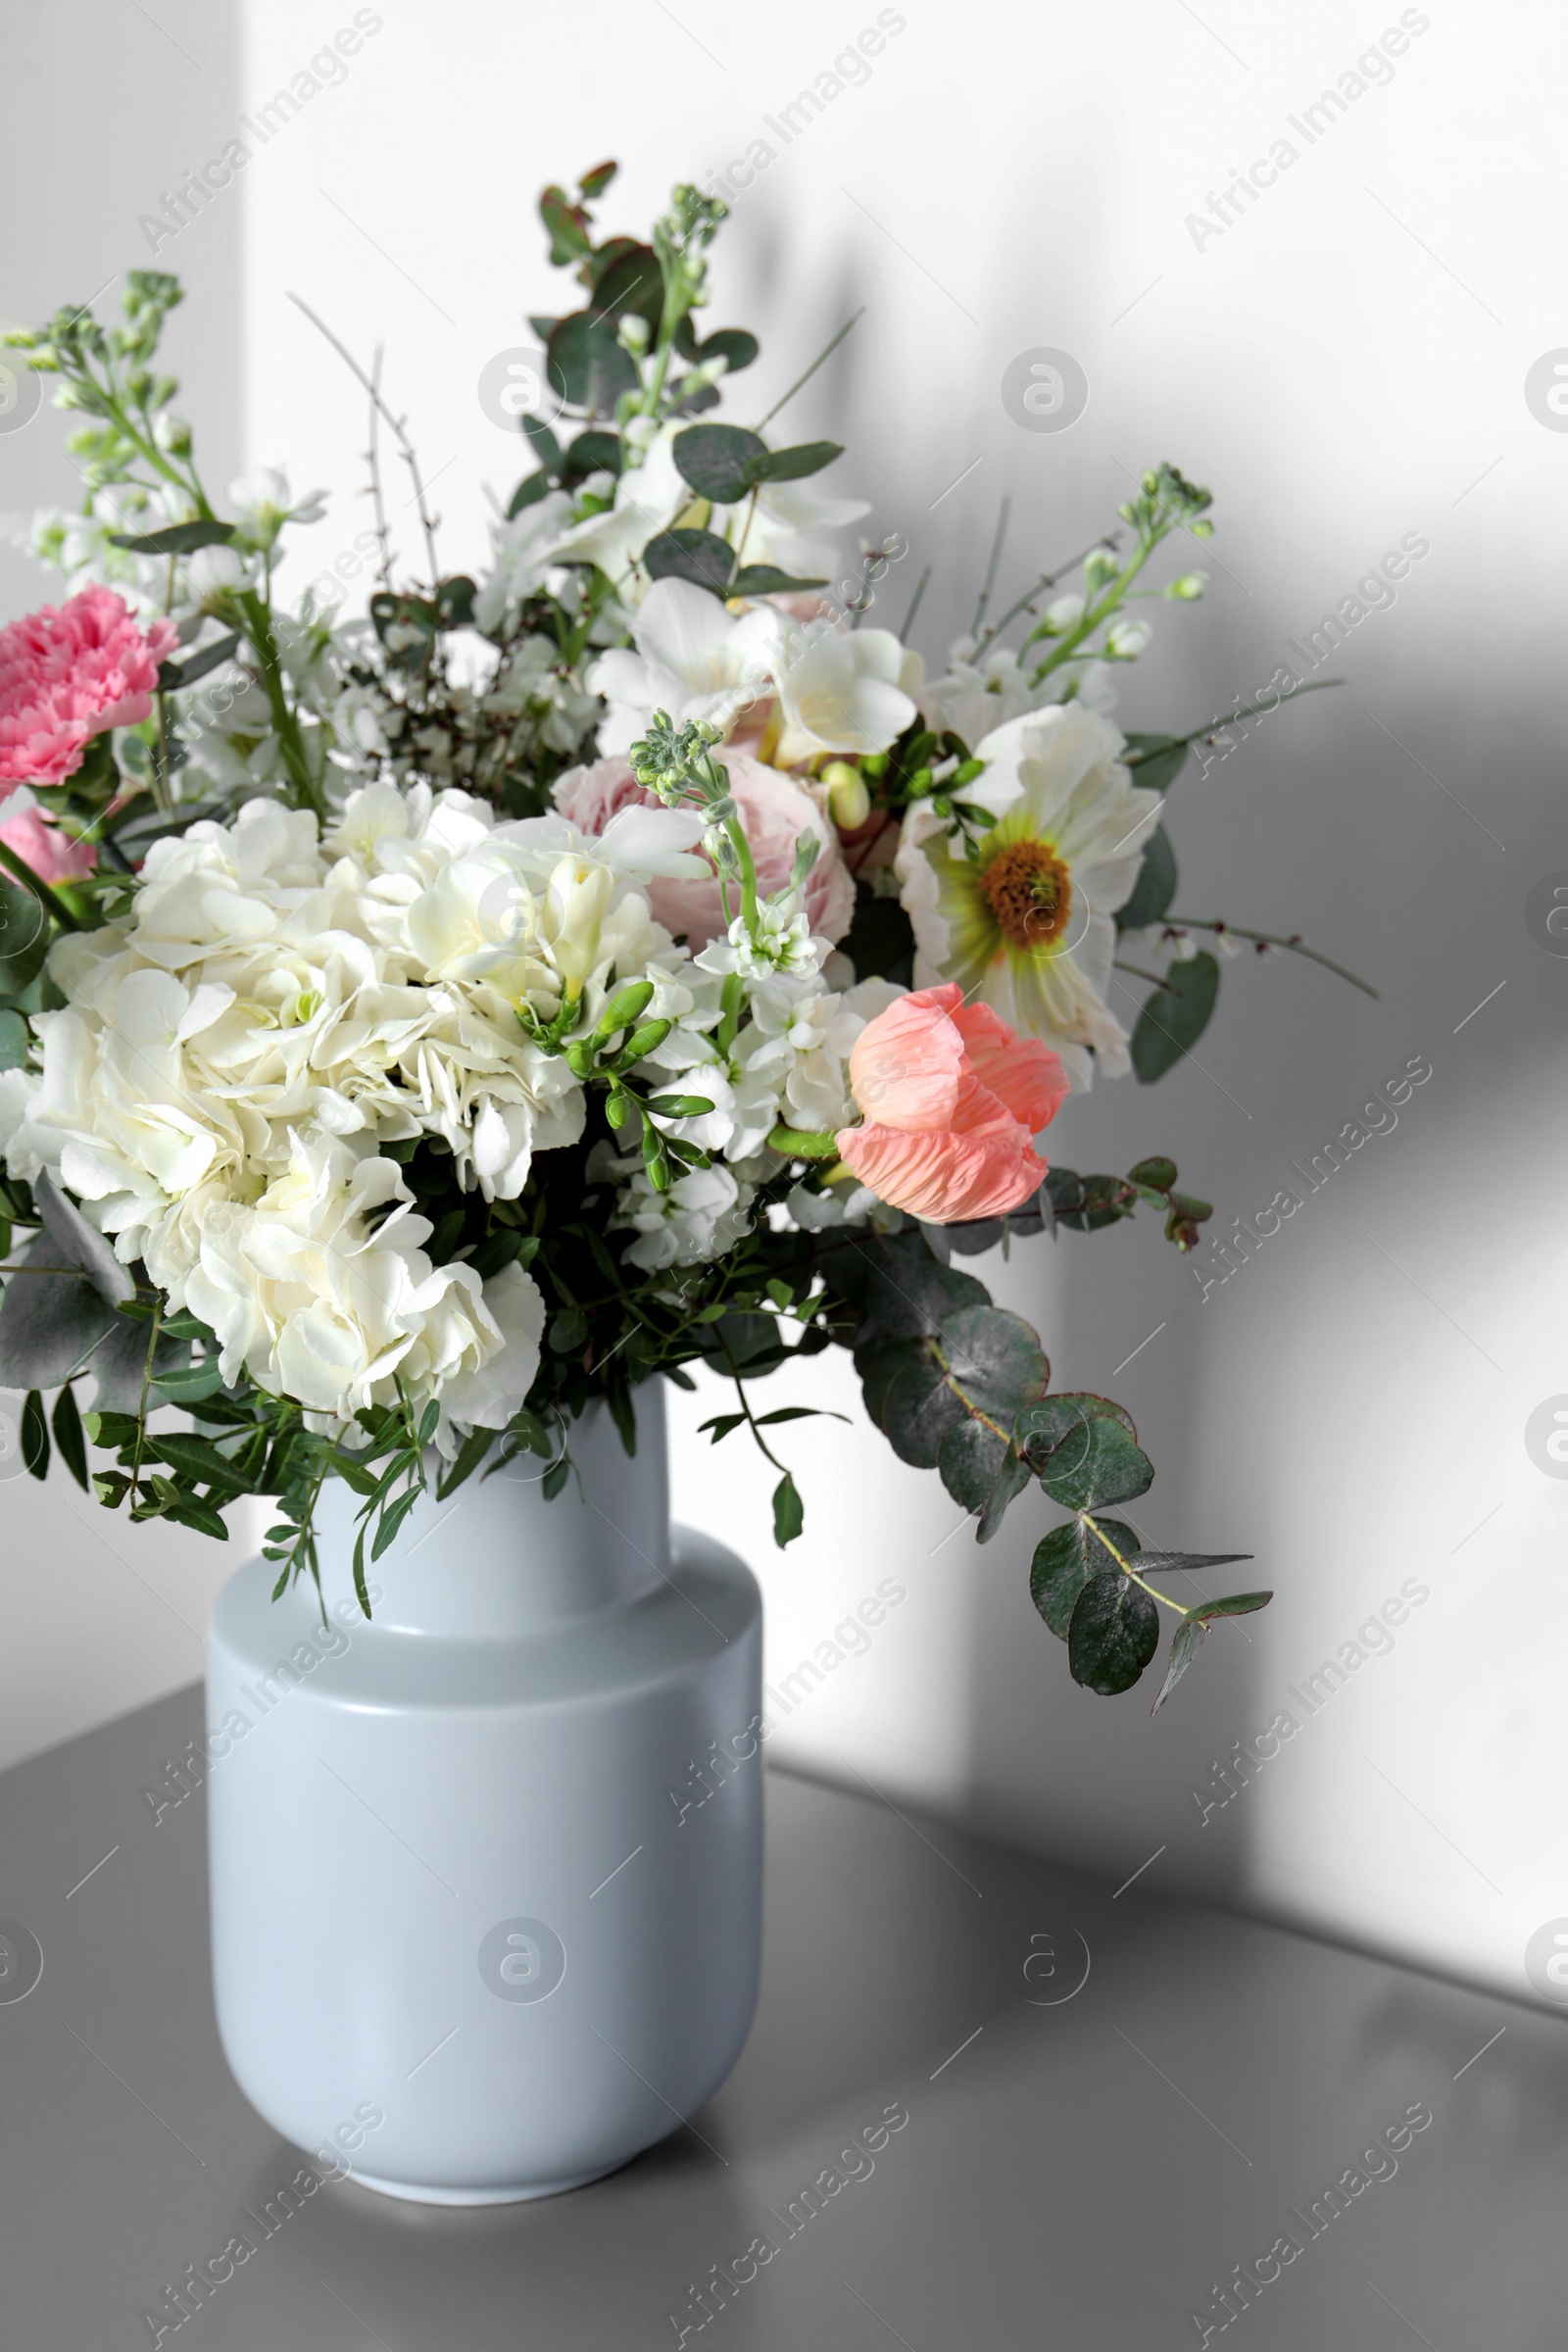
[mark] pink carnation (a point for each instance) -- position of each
(67, 676)
(776, 811)
(954, 1100)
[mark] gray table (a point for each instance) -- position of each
(1112, 2102)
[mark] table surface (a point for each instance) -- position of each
(1113, 2101)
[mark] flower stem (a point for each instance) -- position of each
(51, 899)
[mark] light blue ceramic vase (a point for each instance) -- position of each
(486, 1871)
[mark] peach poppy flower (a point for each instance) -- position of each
(953, 1101)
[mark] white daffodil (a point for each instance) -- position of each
(841, 690)
(1026, 925)
(694, 658)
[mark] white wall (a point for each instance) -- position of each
(101, 111)
(1343, 364)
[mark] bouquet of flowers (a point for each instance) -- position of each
(413, 1028)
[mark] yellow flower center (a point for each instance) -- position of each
(1028, 890)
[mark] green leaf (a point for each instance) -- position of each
(393, 1515)
(700, 557)
(12, 1049)
(179, 539)
(1159, 1174)
(555, 1477)
(733, 343)
(69, 1436)
(716, 461)
(1012, 1475)
(1156, 761)
(34, 1435)
(471, 1454)
(588, 367)
(909, 1293)
(722, 1425)
(1084, 1450)
(1155, 886)
(1175, 1016)
(191, 1511)
(996, 1358)
(1186, 1643)
(594, 184)
(197, 1458)
(1235, 1605)
(171, 677)
(546, 447)
(918, 1408)
(1064, 1561)
(188, 1384)
(802, 1413)
(791, 465)
(530, 491)
(1162, 1563)
(765, 579)
(569, 1331)
(632, 282)
(567, 227)
(1113, 1634)
(23, 937)
(679, 1107)
(970, 1461)
(592, 452)
(789, 1512)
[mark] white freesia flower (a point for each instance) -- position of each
(694, 658)
(1027, 924)
(648, 498)
(785, 528)
(842, 690)
(522, 552)
(261, 505)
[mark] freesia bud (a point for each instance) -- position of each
(624, 1006)
(848, 800)
(1188, 588)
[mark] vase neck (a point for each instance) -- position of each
(497, 1558)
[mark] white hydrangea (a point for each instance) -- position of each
(276, 1007)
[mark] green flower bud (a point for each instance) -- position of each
(644, 1041)
(624, 1006)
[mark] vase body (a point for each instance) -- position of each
(486, 1871)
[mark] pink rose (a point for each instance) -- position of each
(776, 811)
(67, 676)
(954, 1100)
(52, 853)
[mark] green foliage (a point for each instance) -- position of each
(1175, 1016)
(1155, 886)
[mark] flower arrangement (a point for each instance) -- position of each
(413, 1028)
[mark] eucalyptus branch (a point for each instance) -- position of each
(1270, 939)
